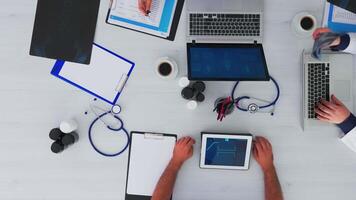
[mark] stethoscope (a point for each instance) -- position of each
(114, 112)
(254, 107)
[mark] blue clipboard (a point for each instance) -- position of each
(66, 71)
(168, 25)
(339, 27)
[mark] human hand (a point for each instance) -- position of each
(334, 111)
(262, 152)
(183, 150)
(319, 31)
(145, 6)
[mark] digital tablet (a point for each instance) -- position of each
(225, 151)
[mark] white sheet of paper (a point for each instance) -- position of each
(148, 159)
(128, 9)
(102, 76)
(341, 15)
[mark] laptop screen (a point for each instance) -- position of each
(227, 62)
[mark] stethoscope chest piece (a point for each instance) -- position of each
(116, 109)
(253, 108)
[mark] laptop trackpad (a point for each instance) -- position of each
(232, 4)
(342, 90)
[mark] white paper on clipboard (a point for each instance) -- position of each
(339, 15)
(129, 9)
(126, 13)
(105, 77)
(149, 157)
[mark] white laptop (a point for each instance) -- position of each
(333, 74)
(224, 21)
(228, 29)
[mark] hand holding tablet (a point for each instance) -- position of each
(233, 151)
(222, 151)
(262, 152)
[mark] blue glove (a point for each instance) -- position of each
(323, 42)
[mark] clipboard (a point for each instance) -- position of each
(142, 176)
(345, 4)
(104, 78)
(345, 25)
(144, 28)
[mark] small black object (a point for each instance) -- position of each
(188, 93)
(200, 97)
(69, 138)
(199, 86)
(57, 147)
(56, 134)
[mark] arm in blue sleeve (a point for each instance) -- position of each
(347, 125)
(344, 43)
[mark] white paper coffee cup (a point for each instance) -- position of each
(304, 24)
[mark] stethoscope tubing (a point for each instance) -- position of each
(121, 128)
(238, 99)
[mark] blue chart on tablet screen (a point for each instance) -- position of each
(227, 152)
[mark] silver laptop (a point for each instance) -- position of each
(322, 78)
(225, 21)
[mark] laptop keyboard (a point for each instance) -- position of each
(318, 86)
(225, 24)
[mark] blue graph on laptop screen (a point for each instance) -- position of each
(237, 63)
(225, 152)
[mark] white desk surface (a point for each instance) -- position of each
(313, 165)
